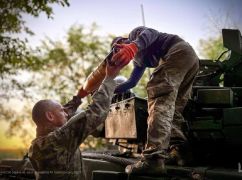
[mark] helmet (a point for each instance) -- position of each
(120, 40)
(135, 32)
(120, 79)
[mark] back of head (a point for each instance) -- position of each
(39, 111)
(135, 32)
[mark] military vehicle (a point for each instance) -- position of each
(213, 128)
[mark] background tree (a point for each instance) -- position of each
(211, 46)
(15, 56)
(13, 50)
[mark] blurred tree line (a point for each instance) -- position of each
(14, 54)
(56, 69)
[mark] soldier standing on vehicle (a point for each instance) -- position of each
(168, 89)
(55, 153)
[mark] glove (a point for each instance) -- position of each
(126, 52)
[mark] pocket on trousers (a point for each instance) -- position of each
(159, 84)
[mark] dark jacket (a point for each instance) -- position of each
(152, 46)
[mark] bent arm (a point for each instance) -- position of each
(97, 112)
(72, 105)
(74, 132)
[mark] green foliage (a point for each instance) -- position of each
(65, 65)
(211, 48)
(56, 71)
(19, 123)
(13, 51)
(12, 54)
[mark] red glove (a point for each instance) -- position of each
(125, 54)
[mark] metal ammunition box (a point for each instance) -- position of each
(127, 119)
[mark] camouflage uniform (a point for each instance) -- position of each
(176, 65)
(168, 91)
(55, 153)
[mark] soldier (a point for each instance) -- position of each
(55, 153)
(168, 89)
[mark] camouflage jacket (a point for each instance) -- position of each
(56, 155)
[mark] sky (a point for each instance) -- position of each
(190, 19)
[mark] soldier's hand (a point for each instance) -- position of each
(125, 53)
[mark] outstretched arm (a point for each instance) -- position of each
(74, 132)
(134, 78)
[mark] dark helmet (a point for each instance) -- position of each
(135, 32)
(119, 40)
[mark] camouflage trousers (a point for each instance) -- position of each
(168, 91)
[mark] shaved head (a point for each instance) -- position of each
(39, 110)
(49, 111)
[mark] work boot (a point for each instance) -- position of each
(154, 167)
(180, 155)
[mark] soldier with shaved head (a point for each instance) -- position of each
(55, 153)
